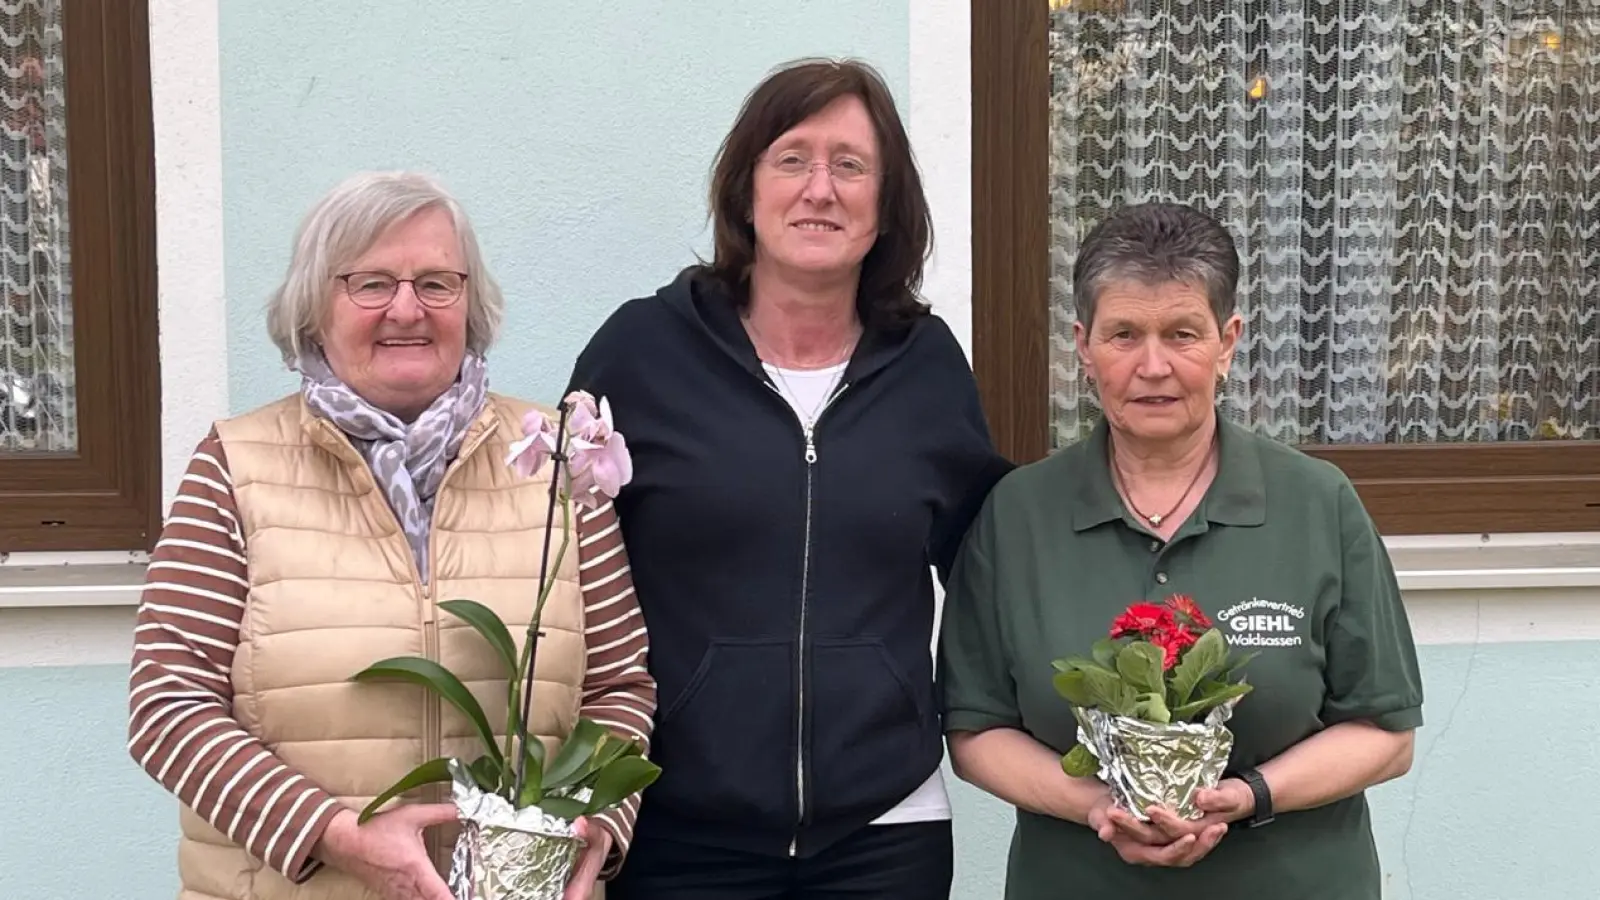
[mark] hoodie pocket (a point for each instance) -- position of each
(726, 743)
(868, 724)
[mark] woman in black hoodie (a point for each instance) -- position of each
(808, 446)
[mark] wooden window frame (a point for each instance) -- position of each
(1408, 489)
(106, 496)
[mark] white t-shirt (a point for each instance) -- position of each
(806, 390)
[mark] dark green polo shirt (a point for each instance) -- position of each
(1281, 555)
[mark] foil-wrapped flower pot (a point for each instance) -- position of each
(505, 853)
(1153, 764)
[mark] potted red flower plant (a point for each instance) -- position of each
(1151, 702)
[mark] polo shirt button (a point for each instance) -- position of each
(1155, 546)
(1161, 578)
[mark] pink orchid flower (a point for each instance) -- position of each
(586, 421)
(598, 462)
(530, 454)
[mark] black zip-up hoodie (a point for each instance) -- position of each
(785, 582)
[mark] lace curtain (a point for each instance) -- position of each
(37, 404)
(1413, 185)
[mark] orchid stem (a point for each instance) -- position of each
(530, 649)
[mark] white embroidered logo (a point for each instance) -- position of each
(1262, 623)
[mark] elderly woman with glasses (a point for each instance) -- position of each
(1167, 498)
(318, 534)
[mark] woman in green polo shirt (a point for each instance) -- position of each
(1167, 498)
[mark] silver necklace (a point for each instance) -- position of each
(764, 350)
(809, 416)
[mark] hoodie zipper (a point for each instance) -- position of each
(809, 433)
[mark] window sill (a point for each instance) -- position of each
(64, 580)
(1504, 562)
(1496, 562)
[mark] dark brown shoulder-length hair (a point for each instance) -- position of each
(891, 273)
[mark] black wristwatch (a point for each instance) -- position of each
(1263, 795)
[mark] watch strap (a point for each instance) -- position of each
(1258, 787)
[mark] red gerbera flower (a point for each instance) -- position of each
(1173, 642)
(1169, 656)
(1143, 619)
(1185, 606)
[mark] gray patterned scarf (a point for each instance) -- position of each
(408, 461)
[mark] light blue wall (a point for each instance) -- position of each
(578, 134)
(78, 819)
(1500, 804)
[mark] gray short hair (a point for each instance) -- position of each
(1154, 243)
(342, 226)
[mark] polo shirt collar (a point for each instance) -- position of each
(1097, 501)
(1237, 495)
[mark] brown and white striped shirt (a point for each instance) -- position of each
(181, 728)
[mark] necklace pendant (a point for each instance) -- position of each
(1156, 519)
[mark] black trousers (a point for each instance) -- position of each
(913, 861)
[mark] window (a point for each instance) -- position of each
(1414, 188)
(79, 379)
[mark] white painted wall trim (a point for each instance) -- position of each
(186, 93)
(940, 123)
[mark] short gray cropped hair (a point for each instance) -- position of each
(343, 225)
(1154, 243)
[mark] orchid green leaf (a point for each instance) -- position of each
(569, 765)
(431, 772)
(612, 748)
(441, 681)
(563, 807)
(485, 772)
(535, 750)
(487, 623)
(532, 776)
(619, 780)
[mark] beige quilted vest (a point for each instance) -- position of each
(333, 588)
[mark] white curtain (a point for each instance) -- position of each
(38, 410)
(1414, 187)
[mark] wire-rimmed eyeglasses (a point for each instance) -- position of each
(375, 290)
(844, 169)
